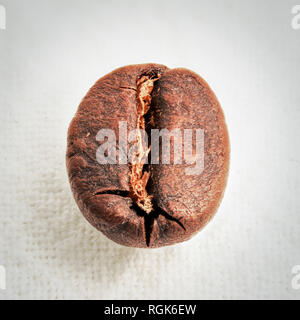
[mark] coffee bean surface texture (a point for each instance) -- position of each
(151, 196)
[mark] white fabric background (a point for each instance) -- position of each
(53, 51)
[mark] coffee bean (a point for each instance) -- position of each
(163, 197)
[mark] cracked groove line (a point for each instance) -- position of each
(138, 177)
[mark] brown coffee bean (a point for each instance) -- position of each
(150, 204)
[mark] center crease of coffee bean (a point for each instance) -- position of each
(138, 176)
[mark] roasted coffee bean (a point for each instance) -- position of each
(149, 202)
